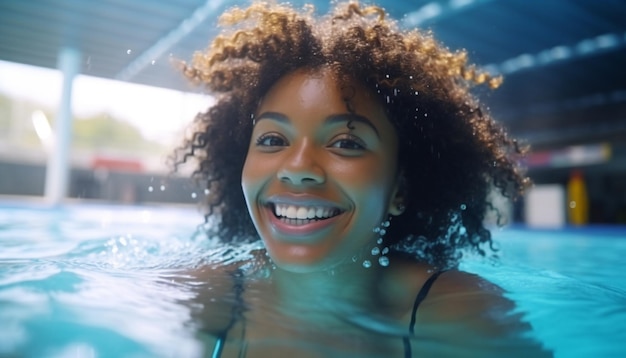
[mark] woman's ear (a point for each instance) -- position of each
(398, 198)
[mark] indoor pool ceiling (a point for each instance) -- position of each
(564, 61)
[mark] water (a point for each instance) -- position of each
(104, 281)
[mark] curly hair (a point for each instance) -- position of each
(452, 154)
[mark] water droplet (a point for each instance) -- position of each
(395, 91)
(377, 229)
(379, 241)
(386, 76)
(410, 77)
(386, 223)
(383, 261)
(425, 114)
(462, 230)
(463, 206)
(153, 62)
(417, 93)
(206, 191)
(162, 188)
(375, 251)
(129, 51)
(354, 258)
(388, 99)
(150, 188)
(193, 195)
(382, 232)
(367, 264)
(385, 251)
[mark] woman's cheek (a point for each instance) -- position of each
(365, 175)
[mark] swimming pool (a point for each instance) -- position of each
(100, 281)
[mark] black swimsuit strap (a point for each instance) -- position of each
(418, 300)
(236, 313)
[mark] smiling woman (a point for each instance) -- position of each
(357, 154)
(308, 156)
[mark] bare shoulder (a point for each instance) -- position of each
(474, 305)
(457, 294)
(467, 299)
(462, 308)
(450, 296)
(215, 291)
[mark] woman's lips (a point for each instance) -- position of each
(299, 230)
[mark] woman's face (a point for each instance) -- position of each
(319, 178)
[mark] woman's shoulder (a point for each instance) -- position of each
(424, 293)
(463, 308)
(215, 290)
(462, 296)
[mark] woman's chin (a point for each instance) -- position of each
(323, 265)
(299, 267)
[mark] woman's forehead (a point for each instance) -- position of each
(307, 86)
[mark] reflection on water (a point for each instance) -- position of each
(102, 281)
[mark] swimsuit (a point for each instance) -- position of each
(420, 297)
(238, 309)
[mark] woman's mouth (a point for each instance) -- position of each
(300, 223)
(302, 214)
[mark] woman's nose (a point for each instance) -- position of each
(301, 167)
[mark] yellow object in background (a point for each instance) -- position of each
(577, 200)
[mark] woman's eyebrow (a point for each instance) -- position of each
(279, 117)
(332, 119)
(350, 117)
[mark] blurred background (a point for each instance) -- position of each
(91, 103)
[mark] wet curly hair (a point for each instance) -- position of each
(452, 154)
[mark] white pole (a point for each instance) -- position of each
(57, 173)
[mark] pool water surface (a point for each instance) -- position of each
(105, 281)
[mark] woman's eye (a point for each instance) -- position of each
(271, 140)
(348, 142)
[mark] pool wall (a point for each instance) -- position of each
(28, 179)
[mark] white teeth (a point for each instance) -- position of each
(291, 212)
(303, 212)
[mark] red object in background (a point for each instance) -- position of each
(116, 164)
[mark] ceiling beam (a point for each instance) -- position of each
(560, 53)
(436, 10)
(168, 41)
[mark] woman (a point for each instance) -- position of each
(357, 154)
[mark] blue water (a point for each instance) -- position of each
(99, 281)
